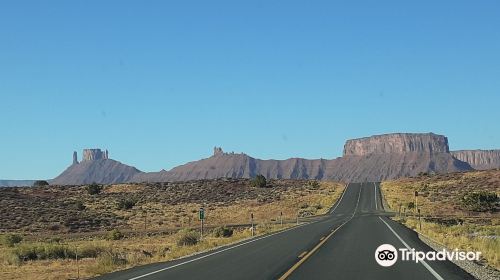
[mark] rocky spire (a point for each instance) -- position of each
(218, 151)
(75, 158)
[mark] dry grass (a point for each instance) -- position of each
(444, 218)
(138, 247)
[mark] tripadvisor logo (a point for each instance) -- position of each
(387, 255)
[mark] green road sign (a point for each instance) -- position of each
(202, 213)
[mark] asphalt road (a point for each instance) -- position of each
(339, 246)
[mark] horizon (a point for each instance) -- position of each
(161, 84)
(80, 155)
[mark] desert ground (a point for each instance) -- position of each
(44, 229)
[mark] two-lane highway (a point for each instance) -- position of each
(339, 246)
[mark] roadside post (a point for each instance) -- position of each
(281, 218)
(399, 213)
(416, 195)
(251, 220)
(419, 221)
(77, 264)
(202, 218)
(297, 217)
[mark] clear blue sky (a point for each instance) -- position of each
(159, 83)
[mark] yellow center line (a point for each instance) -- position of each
(303, 254)
(302, 260)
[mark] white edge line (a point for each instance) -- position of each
(342, 196)
(215, 253)
(357, 203)
(424, 263)
(238, 245)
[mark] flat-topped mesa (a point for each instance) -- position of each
(94, 154)
(479, 159)
(397, 143)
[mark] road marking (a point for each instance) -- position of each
(303, 254)
(357, 203)
(375, 185)
(424, 263)
(301, 261)
(322, 238)
(214, 253)
(236, 246)
(338, 203)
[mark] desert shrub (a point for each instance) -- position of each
(114, 234)
(107, 262)
(410, 205)
(313, 184)
(223, 232)
(40, 183)
(90, 251)
(125, 204)
(259, 181)
(10, 239)
(94, 189)
(79, 206)
(480, 201)
(188, 238)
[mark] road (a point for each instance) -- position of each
(339, 246)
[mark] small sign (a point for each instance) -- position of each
(202, 213)
(416, 193)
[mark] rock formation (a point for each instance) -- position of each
(479, 159)
(397, 143)
(75, 158)
(370, 159)
(373, 158)
(95, 167)
(218, 151)
(94, 154)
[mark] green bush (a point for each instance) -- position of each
(10, 239)
(40, 183)
(259, 181)
(94, 189)
(223, 232)
(313, 184)
(79, 206)
(125, 204)
(188, 238)
(45, 251)
(410, 205)
(481, 201)
(114, 235)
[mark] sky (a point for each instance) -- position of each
(160, 83)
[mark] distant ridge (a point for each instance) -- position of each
(365, 159)
(16, 183)
(373, 158)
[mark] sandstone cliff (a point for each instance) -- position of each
(373, 158)
(94, 154)
(397, 143)
(479, 159)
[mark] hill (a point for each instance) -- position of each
(95, 167)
